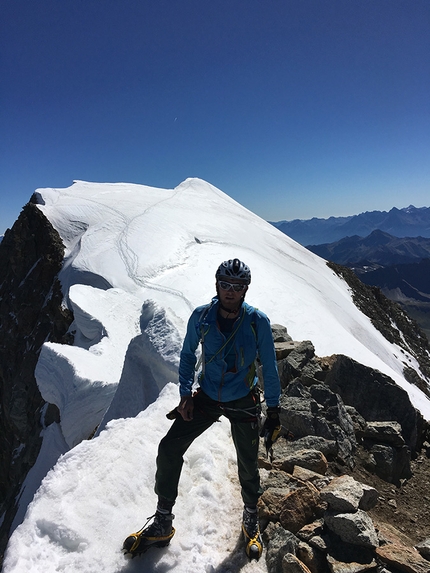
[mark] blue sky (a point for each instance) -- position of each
(295, 108)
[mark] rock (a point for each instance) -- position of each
(358, 421)
(31, 312)
(317, 411)
(403, 558)
(299, 507)
(343, 494)
(296, 389)
(297, 414)
(279, 479)
(291, 367)
(313, 558)
(301, 356)
(280, 333)
(279, 542)
(351, 567)
(345, 557)
(335, 416)
(283, 448)
(318, 480)
(309, 459)
(355, 528)
(389, 463)
(283, 349)
(395, 553)
(424, 548)
(370, 497)
(277, 486)
(383, 433)
(312, 373)
(376, 397)
(311, 530)
(291, 564)
(320, 542)
(270, 503)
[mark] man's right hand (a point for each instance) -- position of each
(186, 407)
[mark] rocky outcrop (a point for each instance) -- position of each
(336, 404)
(316, 522)
(31, 255)
(375, 396)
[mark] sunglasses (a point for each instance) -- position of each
(236, 287)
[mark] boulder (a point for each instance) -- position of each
(283, 349)
(279, 479)
(299, 507)
(358, 421)
(343, 494)
(298, 414)
(303, 474)
(313, 460)
(279, 542)
(402, 558)
(313, 558)
(280, 333)
(270, 503)
(370, 497)
(389, 463)
(355, 528)
(387, 432)
(395, 552)
(349, 567)
(283, 448)
(310, 530)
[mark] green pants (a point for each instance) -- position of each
(242, 414)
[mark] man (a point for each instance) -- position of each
(232, 334)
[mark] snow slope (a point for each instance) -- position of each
(138, 260)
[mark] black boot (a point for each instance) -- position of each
(157, 534)
(251, 532)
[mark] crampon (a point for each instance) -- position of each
(147, 537)
(251, 533)
(254, 545)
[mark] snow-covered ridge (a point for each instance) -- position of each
(165, 244)
(138, 260)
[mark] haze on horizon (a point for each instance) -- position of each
(295, 109)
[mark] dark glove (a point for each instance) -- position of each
(271, 427)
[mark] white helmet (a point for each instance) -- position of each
(234, 269)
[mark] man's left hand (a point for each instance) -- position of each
(271, 427)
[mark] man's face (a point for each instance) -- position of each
(229, 296)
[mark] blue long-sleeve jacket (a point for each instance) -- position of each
(252, 336)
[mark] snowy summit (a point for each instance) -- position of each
(138, 260)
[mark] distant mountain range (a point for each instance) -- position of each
(378, 248)
(405, 282)
(400, 267)
(408, 222)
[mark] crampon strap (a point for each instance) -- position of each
(253, 541)
(138, 535)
